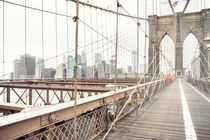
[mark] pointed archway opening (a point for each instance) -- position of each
(167, 56)
(191, 57)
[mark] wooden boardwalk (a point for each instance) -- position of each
(163, 117)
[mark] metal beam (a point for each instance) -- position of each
(11, 106)
(54, 88)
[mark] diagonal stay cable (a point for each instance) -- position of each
(126, 103)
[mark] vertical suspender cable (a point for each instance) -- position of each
(91, 32)
(115, 80)
(97, 30)
(25, 71)
(3, 47)
(75, 71)
(3, 40)
(145, 47)
(153, 7)
(84, 59)
(67, 37)
(42, 72)
(138, 24)
(56, 34)
(84, 28)
(110, 22)
(107, 37)
(102, 31)
(67, 28)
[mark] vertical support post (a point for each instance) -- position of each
(8, 95)
(115, 79)
(153, 64)
(76, 18)
(30, 96)
(48, 97)
(61, 97)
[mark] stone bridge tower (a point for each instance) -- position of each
(178, 28)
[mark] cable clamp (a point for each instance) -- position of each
(75, 18)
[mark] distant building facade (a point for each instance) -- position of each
(70, 67)
(39, 68)
(61, 71)
(49, 73)
(25, 67)
(134, 61)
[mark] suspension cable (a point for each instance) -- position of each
(3, 39)
(42, 72)
(56, 34)
(67, 27)
(25, 70)
(107, 10)
(117, 117)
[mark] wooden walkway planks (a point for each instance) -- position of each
(163, 118)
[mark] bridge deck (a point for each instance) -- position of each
(163, 118)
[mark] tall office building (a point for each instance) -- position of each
(112, 64)
(25, 67)
(89, 72)
(134, 61)
(83, 58)
(60, 71)
(49, 73)
(16, 68)
(98, 58)
(103, 69)
(70, 67)
(39, 68)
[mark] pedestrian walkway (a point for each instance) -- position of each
(178, 112)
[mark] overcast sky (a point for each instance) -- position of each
(103, 22)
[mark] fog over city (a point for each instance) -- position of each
(24, 33)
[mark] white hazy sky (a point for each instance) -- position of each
(103, 22)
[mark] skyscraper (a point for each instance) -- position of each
(49, 73)
(39, 68)
(83, 58)
(16, 68)
(61, 71)
(98, 58)
(70, 67)
(25, 67)
(134, 61)
(112, 64)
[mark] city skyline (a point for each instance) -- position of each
(100, 69)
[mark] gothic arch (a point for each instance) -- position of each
(178, 28)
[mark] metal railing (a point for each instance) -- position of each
(94, 115)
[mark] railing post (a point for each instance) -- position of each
(8, 95)
(61, 97)
(48, 97)
(30, 96)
